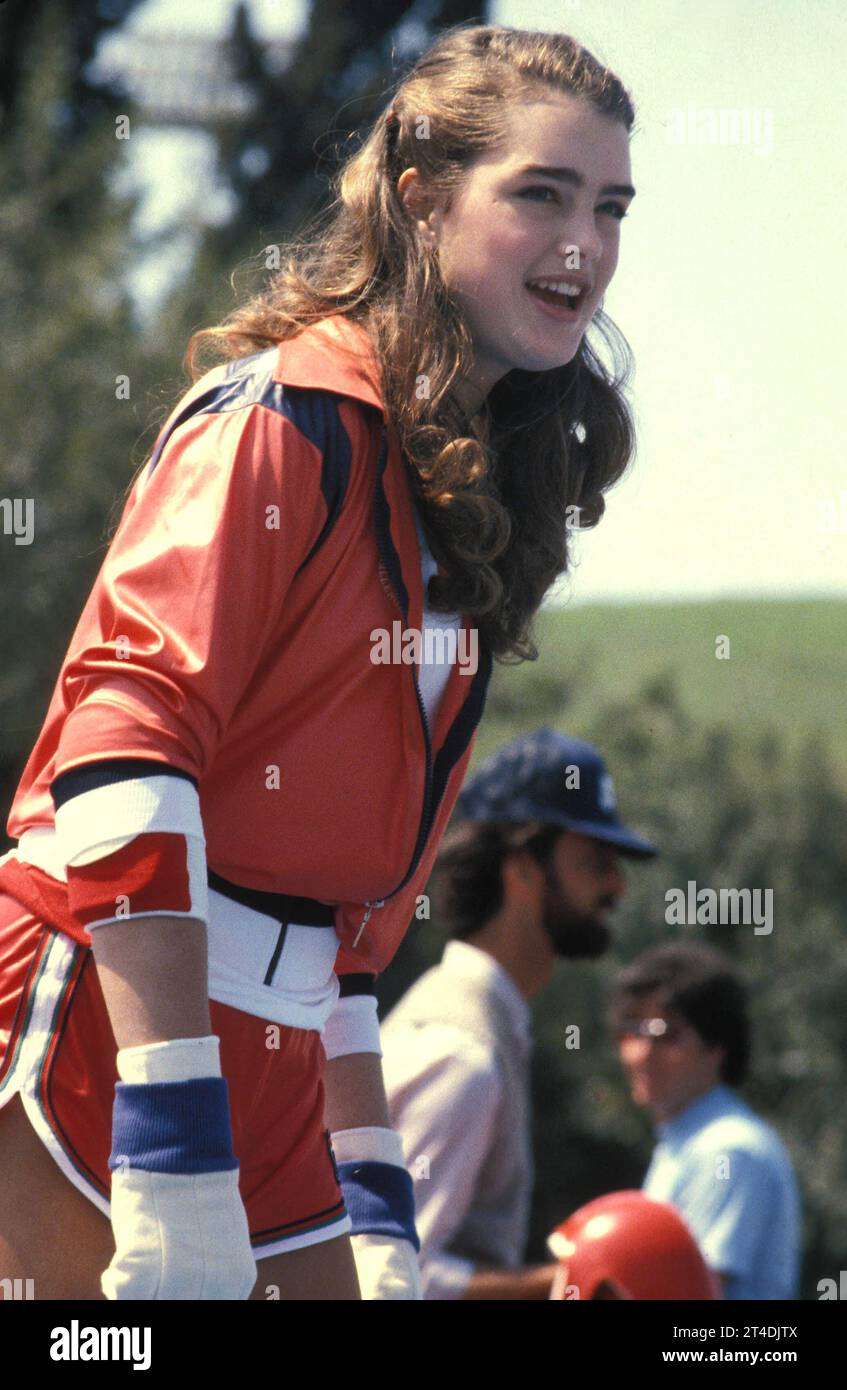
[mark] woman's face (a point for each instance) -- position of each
(507, 227)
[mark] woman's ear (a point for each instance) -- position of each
(418, 204)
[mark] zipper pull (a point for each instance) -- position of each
(366, 918)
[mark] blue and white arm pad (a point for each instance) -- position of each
(378, 1192)
(376, 1184)
(178, 1219)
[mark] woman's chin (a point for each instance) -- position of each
(536, 362)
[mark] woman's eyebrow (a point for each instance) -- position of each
(567, 175)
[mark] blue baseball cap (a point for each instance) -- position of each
(547, 776)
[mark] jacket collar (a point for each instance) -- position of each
(335, 354)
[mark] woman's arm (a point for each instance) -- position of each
(355, 1092)
(154, 975)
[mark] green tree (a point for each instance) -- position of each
(67, 433)
(277, 158)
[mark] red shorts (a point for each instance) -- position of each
(57, 1050)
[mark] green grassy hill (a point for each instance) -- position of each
(787, 666)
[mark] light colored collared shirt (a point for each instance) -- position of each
(728, 1174)
(456, 1066)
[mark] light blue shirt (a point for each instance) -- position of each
(729, 1176)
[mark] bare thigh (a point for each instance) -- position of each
(49, 1232)
(324, 1271)
(52, 1234)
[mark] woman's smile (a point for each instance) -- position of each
(564, 308)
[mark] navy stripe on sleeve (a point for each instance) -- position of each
(106, 772)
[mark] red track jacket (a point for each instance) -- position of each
(228, 633)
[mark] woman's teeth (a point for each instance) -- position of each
(560, 287)
(556, 292)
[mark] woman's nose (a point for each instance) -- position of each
(583, 244)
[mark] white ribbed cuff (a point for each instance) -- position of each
(180, 1059)
(353, 1026)
(368, 1144)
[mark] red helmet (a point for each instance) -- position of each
(626, 1245)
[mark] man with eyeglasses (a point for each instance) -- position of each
(679, 1013)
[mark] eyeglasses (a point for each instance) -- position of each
(657, 1029)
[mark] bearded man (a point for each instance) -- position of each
(529, 874)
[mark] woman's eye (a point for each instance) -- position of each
(538, 188)
(615, 209)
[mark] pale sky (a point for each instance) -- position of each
(729, 288)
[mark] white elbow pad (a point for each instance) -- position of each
(133, 848)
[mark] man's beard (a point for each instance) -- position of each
(575, 935)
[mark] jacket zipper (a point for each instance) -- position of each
(426, 815)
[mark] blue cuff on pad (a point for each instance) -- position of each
(380, 1200)
(173, 1127)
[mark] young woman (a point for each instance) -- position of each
(235, 801)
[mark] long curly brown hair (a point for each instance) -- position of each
(494, 490)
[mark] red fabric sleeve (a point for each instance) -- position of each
(191, 590)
